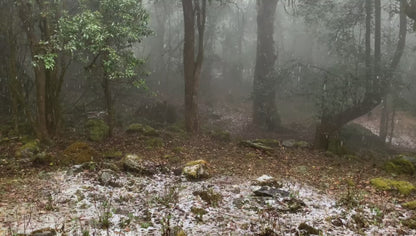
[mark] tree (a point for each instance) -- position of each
(375, 84)
(39, 21)
(353, 86)
(194, 12)
(264, 87)
(101, 35)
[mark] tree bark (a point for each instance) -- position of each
(194, 12)
(264, 85)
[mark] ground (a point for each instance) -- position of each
(334, 192)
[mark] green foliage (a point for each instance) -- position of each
(106, 34)
(98, 130)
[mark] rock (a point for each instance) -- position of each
(78, 153)
(97, 130)
(400, 165)
(75, 169)
(141, 129)
(290, 143)
(308, 230)
(196, 170)
(266, 180)
(136, 164)
(403, 187)
(28, 150)
(266, 191)
(108, 177)
(43, 232)
(254, 144)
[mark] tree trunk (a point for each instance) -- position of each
(264, 85)
(194, 13)
(109, 105)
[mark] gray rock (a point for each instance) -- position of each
(108, 177)
(266, 191)
(266, 180)
(136, 164)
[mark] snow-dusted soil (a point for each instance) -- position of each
(151, 205)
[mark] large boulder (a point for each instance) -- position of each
(196, 170)
(97, 129)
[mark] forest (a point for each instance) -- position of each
(207, 117)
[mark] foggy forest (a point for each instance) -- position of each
(207, 117)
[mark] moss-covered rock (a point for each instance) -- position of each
(196, 170)
(78, 153)
(145, 130)
(97, 129)
(43, 158)
(28, 150)
(400, 165)
(403, 187)
(138, 165)
(410, 205)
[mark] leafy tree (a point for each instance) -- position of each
(102, 35)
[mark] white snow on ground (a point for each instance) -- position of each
(79, 201)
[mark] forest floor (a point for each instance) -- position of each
(320, 193)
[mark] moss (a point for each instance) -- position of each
(400, 166)
(199, 212)
(78, 153)
(141, 129)
(381, 184)
(113, 154)
(411, 222)
(154, 143)
(197, 162)
(209, 196)
(28, 149)
(98, 130)
(220, 135)
(410, 205)
(403, 187)
(268, 142)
